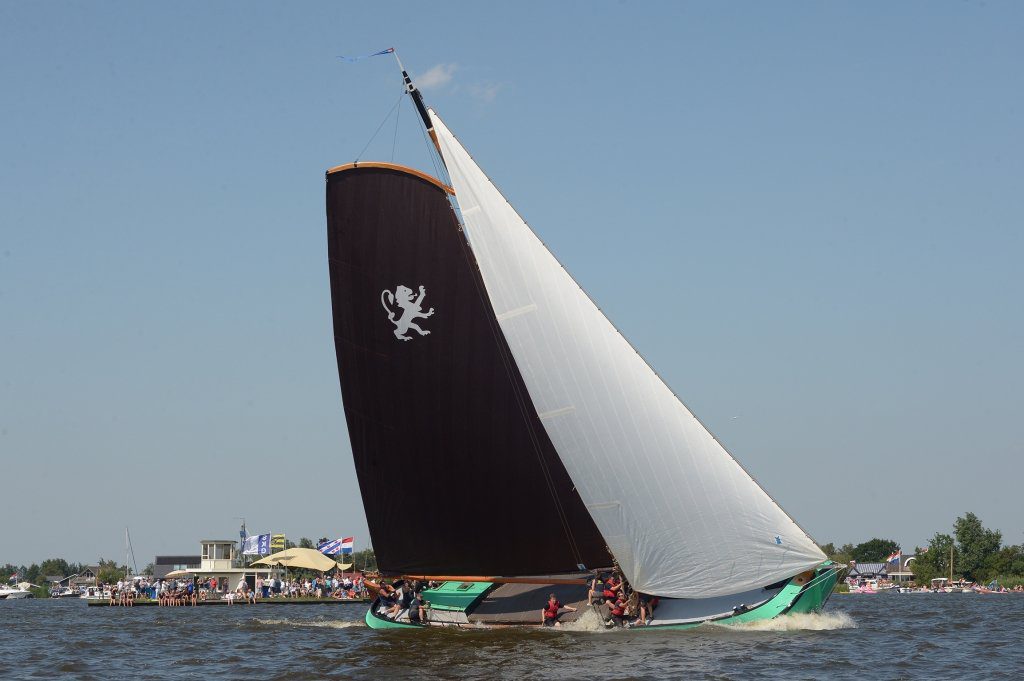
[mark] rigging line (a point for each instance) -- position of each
(359, 155)
(431, 152)
(398, 116)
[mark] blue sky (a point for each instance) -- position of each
(806, 216)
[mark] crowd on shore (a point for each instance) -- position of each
(190, 591)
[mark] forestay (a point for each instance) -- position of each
(681, 516)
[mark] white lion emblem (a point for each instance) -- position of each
(410, 310)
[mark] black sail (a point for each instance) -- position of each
(456, 472)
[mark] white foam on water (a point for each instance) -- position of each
(590, 621)
(329, 624)
(815, 621)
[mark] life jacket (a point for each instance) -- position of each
(551, 611)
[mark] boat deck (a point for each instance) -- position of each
(522, 603)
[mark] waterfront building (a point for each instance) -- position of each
(164, 564)
(85, 578)
(902, 572)
(218, 558)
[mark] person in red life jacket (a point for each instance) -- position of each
(612, 587)
(549, 615)
(619, 609)
(647, 604)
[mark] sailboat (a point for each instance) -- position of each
(508, 440)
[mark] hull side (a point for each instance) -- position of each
(804, 593)
(798, 596)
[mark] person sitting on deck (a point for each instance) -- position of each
(408, 595)
(549, 615)
(596, 590)
(647, 604)
(417, 611)
(612, 587)
(618, 611)
(391, 600)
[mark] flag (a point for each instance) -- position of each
(256, 545)
(330, 548)
(250, 545)
(894, 557)
(366, 56)
(277, 542)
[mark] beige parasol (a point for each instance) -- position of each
(296, 558)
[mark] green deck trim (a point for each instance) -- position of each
(459, 596)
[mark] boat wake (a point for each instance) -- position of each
(319, 624)
(589, 621)
(818, 621)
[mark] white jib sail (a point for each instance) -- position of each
(681, 517)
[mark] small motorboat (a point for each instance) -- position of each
(863, 590)
(10, 593)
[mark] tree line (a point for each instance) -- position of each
(108, 571)
(978, 554)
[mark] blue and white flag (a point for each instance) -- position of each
(352, 60)
(256, 545)
(331, 548)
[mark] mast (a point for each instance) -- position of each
(421, 108)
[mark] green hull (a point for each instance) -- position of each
(794, 598)
(798, 596)
(381, 623)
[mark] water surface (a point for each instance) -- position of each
(884, 636)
